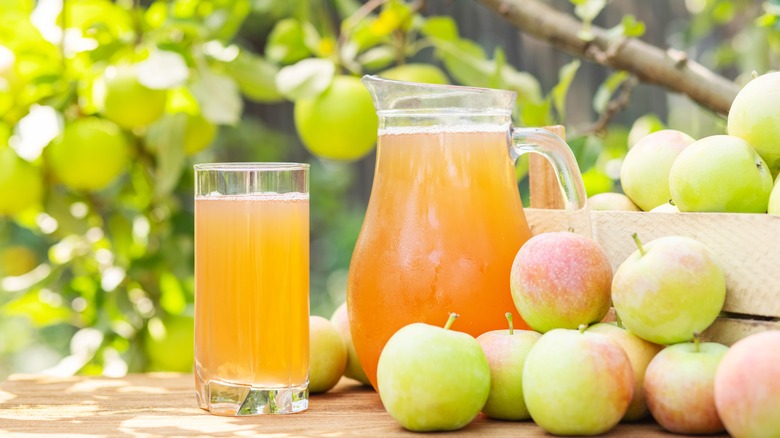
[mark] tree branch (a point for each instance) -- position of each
(670, 69)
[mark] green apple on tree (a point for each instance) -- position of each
(608, 201)
(644, 174)
(127, 102)
(423, 73)
(20, 183)
(90, 154)
(679, 384)
(327, 355)
(754, 117)
(747, 386)
(431, 378)
(669, 289)
(720, 173)
(506, 351)
(577, 382)
(640, 352)
(561, 280)
(340, 123)
(354, 370)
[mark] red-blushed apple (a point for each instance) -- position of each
(747, 386)
(354, 370)
(668, 289)
(327, 355)
(506, 351)
(561, 280)
(611, 202)
(431, 378)
(720, 173)
(577, 382)
(679, 387)
(644, 174)
(754, 117)
(640, 352)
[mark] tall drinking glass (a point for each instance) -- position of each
(252, 287)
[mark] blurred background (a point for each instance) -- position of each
(105, 106)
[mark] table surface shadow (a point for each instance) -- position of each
(163, 404)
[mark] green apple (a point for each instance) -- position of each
(644, 174)
(679, 387)
(774, 198)
(747, 386)
(506, 351)
(669, 289)
(21, 183)
(127, 102)
(640, 352)
(432, 378)
(354, 370)
(423, 73)
(754, 117)
(720, 173)
(327, 355)
(642, 127)
(561, 280)
(611, 201)
(576, 382)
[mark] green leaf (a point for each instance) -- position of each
(442, 28)
(256, 78)
(172, 297)
(524, 84)
(588, 10)
(166, 139)
(377, 58)
(586, 150)
(607, 89)
(286, 43)
(218, 96)
(40, 313)
(465, 61)
(632, 27)
(537, 113)
(306, 78)
(561, 90)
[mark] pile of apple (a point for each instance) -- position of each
(670, 171)
(574, 375)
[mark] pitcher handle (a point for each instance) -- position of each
(558, 153)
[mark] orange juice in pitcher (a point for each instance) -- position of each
(445, 219)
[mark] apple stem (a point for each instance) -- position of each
(582, 328)
(509, 319)
(696, 341)
(619, 321)
(453, 317)
(638, 244)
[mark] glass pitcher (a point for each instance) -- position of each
(444, 219)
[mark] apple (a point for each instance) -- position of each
(327, 355)
(679, 387)
(354, 370)
(668, 289)
(432, 378)
(720, 173)
(644, 174)
(561, 280)
(754, 117)
(577, 382)
(611, 201)
(506, 351)
(640, 352)
(666, 208)
(747, 386)
(774, 198)
(423, 73)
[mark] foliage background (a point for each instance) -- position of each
(109, 287)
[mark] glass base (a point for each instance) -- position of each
(231, 399)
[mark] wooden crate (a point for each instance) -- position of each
(747, 246)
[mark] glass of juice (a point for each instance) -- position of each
(252, 287)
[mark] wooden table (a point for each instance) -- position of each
(150, 405)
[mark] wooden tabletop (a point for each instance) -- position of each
(151, 405)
